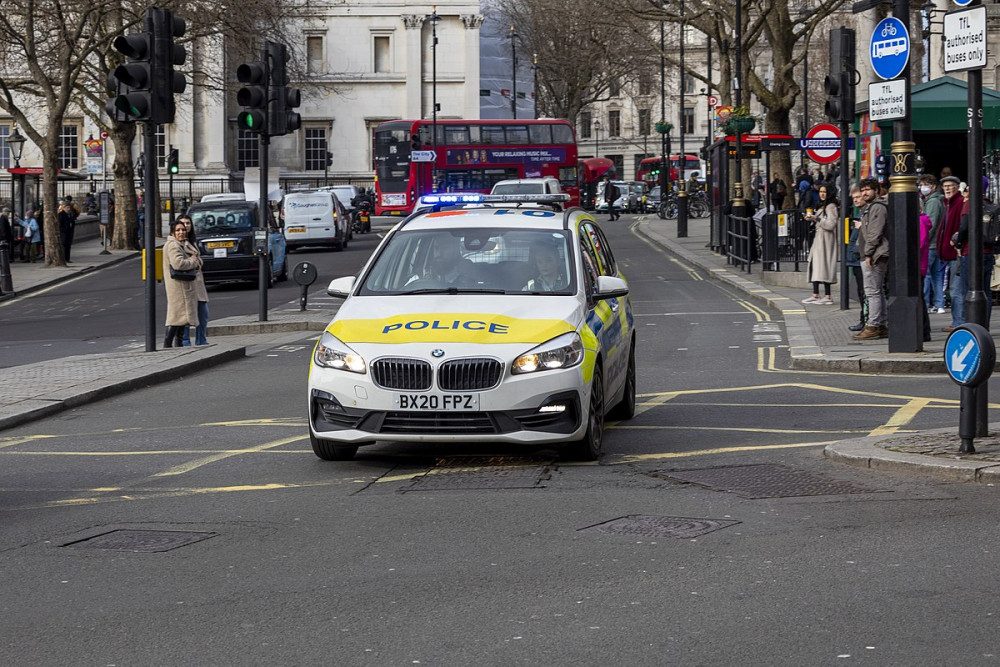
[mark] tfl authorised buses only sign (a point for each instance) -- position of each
(965, 39)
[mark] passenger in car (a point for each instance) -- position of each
(550, 277)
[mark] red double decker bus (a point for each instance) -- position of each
(649, 169)
(471, 155)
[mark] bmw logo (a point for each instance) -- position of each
(438, 353)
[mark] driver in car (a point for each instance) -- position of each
(446, 264)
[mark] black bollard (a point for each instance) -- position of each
(6, 280)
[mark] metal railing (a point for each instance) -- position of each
(741, 241)
(784, 237)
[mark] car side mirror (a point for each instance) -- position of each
(341, 287)
(610, 287)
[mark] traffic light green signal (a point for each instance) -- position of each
(173, 160)
(252, 97)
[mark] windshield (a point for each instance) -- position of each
(519, 189)
(474, 261)
(221, 219)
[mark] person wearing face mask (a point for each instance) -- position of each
(933, 201)
(957, 284)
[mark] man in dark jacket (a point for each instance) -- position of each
(67, 215)
(611, 195)
(873, 246)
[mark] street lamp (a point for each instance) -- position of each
(597, 138)
(534, 81)
(434, 19)
(513, 72)
(16, 143)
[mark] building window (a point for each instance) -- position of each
(315, 148)
(688, 84)
(69, 147)
(247, 150)
(314, 54)
(382, 48)
(5, 161)
(614, 86)
(585, 122)
(619, 161)
(645, 83)
(644, 122)
(688, 118)
(615, 124)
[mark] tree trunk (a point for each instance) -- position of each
(50, 198)
(124, 233)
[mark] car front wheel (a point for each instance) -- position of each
(588, 448)
(331, 451)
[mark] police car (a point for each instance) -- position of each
(500, 320)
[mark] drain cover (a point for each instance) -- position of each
(765, 480)
(468, 473)
(141, 541)
(639, 525)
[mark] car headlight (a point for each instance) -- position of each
(563, 351)
(331, 353)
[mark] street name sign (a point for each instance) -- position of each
(423, 156)
(969, 355)
(889, 49)
(887, 99)
(965, 39)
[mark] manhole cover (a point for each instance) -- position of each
(638, 525)
(765, 480)
(482, 477)
(140, 541)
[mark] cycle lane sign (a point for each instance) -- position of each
(889, 49)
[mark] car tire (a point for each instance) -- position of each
(331, 451)
(625, 409)
(588, 448)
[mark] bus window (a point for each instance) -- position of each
(517, 134)
(457, 135)
(540, 134)
(568, 177)
(562, 134)
(491, 134)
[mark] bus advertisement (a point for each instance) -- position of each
(469, 156)
(649, 169)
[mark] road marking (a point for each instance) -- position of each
(639, 458)
(902, 416)
(10, 442)
(197, 463)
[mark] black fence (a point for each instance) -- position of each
(773, 238)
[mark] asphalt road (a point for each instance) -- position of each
(414, 555)
(105, 310)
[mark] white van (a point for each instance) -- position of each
(315, 218)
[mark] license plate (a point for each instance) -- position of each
(219, 244)
(445, 402)
(296, 230)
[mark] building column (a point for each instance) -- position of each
(415, 66)
(472, 23)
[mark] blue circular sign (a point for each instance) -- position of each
(962, 3)
(889, 50)
(970, 354)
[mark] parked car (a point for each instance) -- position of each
(225, 231)
(527, 186)
(315, 218)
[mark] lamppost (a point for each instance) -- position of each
(739, 204)
(682, 201)
(663, 127)
(513, 72)
(16, 142)
(534, 81)
(434, 19)
(597, 138)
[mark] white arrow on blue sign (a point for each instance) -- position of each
(962, 355)
(889, 49)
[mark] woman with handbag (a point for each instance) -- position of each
(823, 250)
(200, 337)
(182, 263)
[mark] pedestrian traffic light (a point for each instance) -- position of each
(284, 99)
(166, 54)
(252, 97)
(839, 83)
(414, 142)
(131, 81)
(172, 160)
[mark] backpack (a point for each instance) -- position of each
(781, 189)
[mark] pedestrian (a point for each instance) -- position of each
(6, 231)
(989, 210)
(947, 252)
(777, 192)
(182, 261)
(823, 251)
(200, 332)
(611, 195)
(933, 202)
(852, 258)
(925, 223)
(67, 215)
(873, 245)
(33, 236)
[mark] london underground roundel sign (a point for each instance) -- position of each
(822, 143)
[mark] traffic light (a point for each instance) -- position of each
(166, 55)
(839, 83)
(414, 142)
(252, 97)
(284, 99)
(172, 160)
(329, 159)
(131, 81)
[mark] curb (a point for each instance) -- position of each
(61, 279)
(265, 327)
(865, 453)
(169, 369)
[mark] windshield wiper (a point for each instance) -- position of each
(455, 290)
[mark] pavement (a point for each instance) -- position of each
(818, 340)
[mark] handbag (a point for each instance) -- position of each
(189, 274)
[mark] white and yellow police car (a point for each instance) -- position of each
(503, 320)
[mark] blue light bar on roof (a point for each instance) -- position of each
(452, 198)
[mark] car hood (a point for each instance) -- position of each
(441, 318)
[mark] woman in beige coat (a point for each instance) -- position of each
(182, 295)
(823, 251)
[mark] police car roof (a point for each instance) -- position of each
(487, 217)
